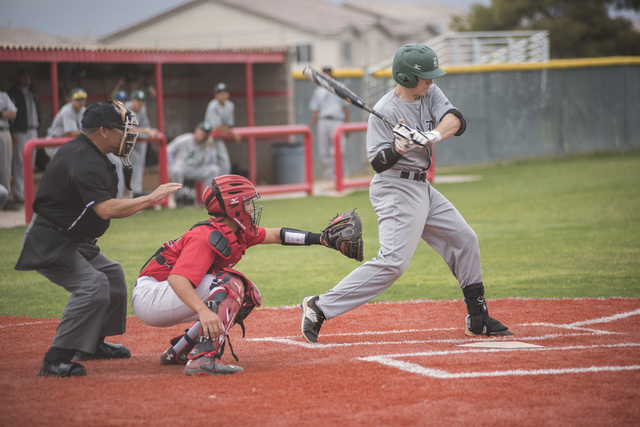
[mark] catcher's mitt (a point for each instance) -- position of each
(344, 234)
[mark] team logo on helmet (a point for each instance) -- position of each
(417, 67)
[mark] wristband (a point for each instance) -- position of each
(292, 237)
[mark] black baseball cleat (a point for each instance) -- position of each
(104, 350)
(495, 328)
(312, 319)
(209, 365)
(61, 369)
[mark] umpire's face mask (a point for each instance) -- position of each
(130, 119)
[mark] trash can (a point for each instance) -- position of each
(289, 162)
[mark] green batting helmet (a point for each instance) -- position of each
(415, 60)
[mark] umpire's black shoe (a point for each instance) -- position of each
(61, 369)
(312, 319)
(104, 350)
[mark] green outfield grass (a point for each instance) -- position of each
(559, 228)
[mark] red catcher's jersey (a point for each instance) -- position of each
(192, 256)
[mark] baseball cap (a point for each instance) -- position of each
(221, 87)
(78, 93)
(204, 126)
(102, 114)
(121, 96)
(139, 94)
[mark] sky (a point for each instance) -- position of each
(100, 18)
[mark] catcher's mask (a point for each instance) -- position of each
(234, 196)
(114, 115)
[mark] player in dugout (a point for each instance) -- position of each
(408, 207)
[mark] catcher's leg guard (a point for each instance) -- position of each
(225, 301)
(478, 320)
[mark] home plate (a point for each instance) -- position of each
(500, 344)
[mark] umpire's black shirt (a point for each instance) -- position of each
(78, 177)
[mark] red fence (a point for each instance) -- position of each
(252, 132)
(36, 143)
(342, 183)
(249, 133)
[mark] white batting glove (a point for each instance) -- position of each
(403, 138)
(424, 138)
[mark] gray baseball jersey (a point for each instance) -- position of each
(327, 104)
(218, 115)
(422, 114)
(408, 210)
(67, 120)
(5, 104)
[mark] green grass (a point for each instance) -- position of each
(547, 229)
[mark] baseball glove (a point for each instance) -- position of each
(344, 234)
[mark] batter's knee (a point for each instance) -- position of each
(393, 266)
(465, 239)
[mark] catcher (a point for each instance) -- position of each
(192, 279)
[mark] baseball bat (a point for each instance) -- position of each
(340, 90)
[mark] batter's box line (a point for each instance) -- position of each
(304, 344)
(573, 328)
(390, 360)
(577, 325)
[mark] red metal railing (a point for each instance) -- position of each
(251, 133)
(342, 183)
(36, 143)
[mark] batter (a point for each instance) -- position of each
(408, 208)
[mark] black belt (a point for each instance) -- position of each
(415, 176)
(331, 118)
(2, 128)
(40, 220)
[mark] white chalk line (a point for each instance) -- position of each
(298, 341)
(438, 373)
(391, 361)
(30, 323)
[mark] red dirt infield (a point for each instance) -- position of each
(388, 364)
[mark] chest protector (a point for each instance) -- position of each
(224, 242)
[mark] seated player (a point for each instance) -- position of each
(191, 278)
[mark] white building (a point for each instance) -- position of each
(356, 34)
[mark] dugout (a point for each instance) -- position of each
(260, 84)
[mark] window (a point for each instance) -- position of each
(303, 53)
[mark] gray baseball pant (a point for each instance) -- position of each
(407, 211)
(97, 306)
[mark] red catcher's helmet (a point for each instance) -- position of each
(233, 196)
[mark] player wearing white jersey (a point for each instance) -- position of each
(408, 207)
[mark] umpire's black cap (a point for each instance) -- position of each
(102, 114)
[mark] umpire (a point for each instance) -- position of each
(73, 207)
